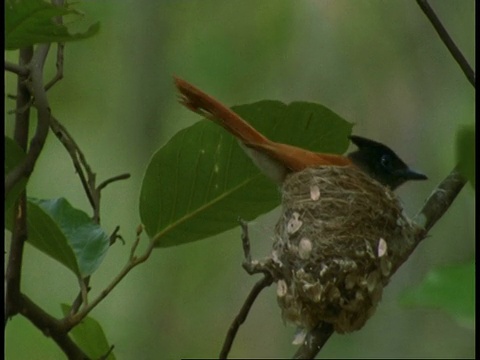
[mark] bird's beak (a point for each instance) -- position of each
(410, 174)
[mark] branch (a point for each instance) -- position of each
(24, 169)
(58, 329)
(59, 74)
(243, 313)
(51, 327)
(19, 212)
(16, 69)
(314, 341)
(252, 267)
(35, 62)
(82, 168)
(447, 40)
(15, 259)
(76, 155)
(107, 182)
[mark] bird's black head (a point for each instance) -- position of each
(381, 163)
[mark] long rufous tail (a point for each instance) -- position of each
(203, 104)
(274, 159)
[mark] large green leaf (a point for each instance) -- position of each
(466, 152)
(451, 289)
(29, 22)
(90, 336)
(201, 181)
(14, 156)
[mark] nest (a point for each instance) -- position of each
(339, 239)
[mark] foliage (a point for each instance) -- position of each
(29, 22)
(201, 181)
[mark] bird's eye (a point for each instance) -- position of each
(386, 161)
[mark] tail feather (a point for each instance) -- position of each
(274, 159)
(203, 104)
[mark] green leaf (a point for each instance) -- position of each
(87, 239)
(466, 152)
(29, 22)
(451, 289)
(201, 181)
(90, 336)
(66, 234)
(14, 156)
(46, 236)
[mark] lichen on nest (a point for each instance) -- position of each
(339, 236)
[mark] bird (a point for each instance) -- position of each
(277, 160)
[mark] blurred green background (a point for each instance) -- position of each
(376, 63)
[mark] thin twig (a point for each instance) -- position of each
(59, 74)
(79, 300)
(266, 281)
(75, 154)
(60, 47)
(112, 179)
(115, 236)
(83, 169)
(252, 267)
(447, 40)
(72, 320)
(16, 69)
(245, 241)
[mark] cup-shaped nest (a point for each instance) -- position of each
(339, 239)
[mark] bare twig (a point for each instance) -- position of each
(82, 168)
(59, 74)
(16, 69)
(252, 267)
(115, 236)
(112, 179)
(79, 300)
(75, 153)
(447, 40)
(245, 241)
(73, 319)
(266, 281)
